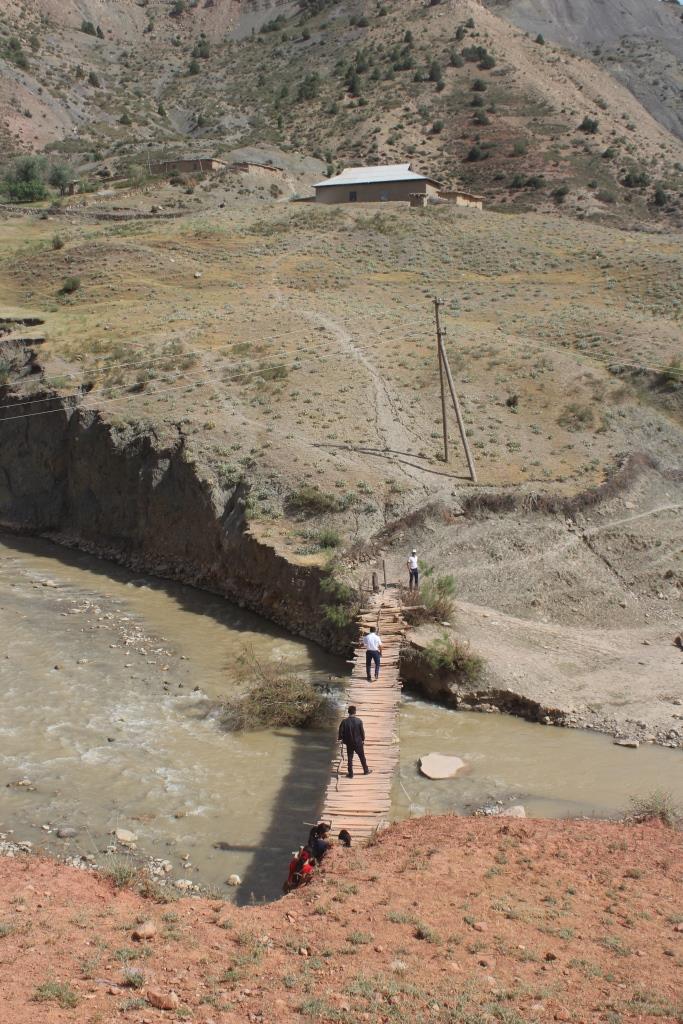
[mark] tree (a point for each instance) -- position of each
(24, 181)
(309, 87)
(59, 177)
(660, 197)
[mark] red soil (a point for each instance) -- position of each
(444, 919)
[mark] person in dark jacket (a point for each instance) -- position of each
(352, 734)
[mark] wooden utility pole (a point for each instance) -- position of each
(443, 393)
(444, 367)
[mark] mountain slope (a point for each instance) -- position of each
(640, 42)
(453, 86)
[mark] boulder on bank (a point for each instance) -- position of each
(440, 766)
(515, 811)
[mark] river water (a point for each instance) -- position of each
(107, 684)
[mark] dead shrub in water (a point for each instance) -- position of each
(279, 697)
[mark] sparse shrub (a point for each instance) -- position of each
(437, 127)
(122, 871)
(590, 125)
(310, 500)
(606, 195)
(475, 153)
(94, 80)
(672, 375)
(328, 538)
(576, 417)
(477, 101)
(455, 60)
(435, 72)
(125, 118)
(656, 806)
(436, 594)
(57, 242)
(660, 198)
(280, 698)
(56, 992)
(635, 179)
(446, 657)
(560, 193)
(481, 118)
(520, 147)
(70, 285)
(88, 28)
(540, 40)
(194, 67)
(479, 85)
(309, 87)
(133, 978)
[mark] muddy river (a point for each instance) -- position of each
(107, 685)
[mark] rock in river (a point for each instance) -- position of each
(440, 766)
(125, 837)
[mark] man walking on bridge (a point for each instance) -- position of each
(373, 652)
(352, 734)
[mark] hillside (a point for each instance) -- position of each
(639, 42)
(443, 920)
(453, 87)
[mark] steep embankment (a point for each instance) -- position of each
(136, 495)
(443, 919)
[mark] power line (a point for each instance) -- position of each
(148, 394)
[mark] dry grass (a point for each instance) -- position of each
(278, 697)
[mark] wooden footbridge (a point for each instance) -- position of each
(362, 804)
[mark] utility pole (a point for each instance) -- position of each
(443, 393)
(444, 367)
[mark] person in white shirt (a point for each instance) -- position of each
(413, 571)
(373, 652)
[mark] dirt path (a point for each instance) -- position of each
(625, 681)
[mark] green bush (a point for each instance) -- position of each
(88, 28)
(576, 417)
(589, 125)
(71, 284)
(58, 992)
(310, 500)
(57, 242)
(328, 539)
(446, 657)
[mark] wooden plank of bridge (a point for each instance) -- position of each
(362, 804)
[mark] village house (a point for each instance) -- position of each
(187, 165)
(387, 184)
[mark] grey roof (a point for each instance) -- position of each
(373, 175)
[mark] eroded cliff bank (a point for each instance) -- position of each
(137, 494)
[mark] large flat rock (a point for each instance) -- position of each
(440, 766)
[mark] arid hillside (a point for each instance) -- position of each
(442, 921)
(640, 42)
(452, 86)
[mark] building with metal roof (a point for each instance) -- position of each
(379, 184)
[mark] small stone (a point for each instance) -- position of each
(303, 951)
(125, 837)
(162, 1000)
(627, 743)
(197, 273)
(480, 926)
(550, 956)
(234, 880)
(147, 930)
(678, 927)
(398, 966)
(184, 884)
(66, 833)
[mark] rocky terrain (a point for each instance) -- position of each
(443, 919)
(639, 42)
(453, 86)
